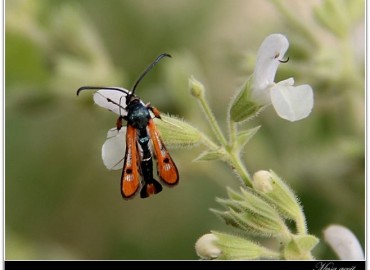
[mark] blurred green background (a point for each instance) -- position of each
(62, 203)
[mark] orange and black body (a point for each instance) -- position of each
(140, 131)
(142, 141)
(138, 117)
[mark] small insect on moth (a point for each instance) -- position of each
(142, 139)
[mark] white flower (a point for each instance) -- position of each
(343, 242)
(291, 102)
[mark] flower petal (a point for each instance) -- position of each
(113, 150)
(101, 98)
(269, 55)
(343, 242)
(287, 82)
(292, 103)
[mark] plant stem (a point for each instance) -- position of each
(209, 143)
(232, 130)
(239, 167)
(212, 121)
(233, 157)
(286, 235)
(235, 160)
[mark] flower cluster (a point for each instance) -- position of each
(265, 203)
(261, 211)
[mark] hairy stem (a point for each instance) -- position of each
(212, 121)
(238, 166)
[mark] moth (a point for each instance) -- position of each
(142, 140)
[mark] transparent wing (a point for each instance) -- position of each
(114, 101)
(113, 150)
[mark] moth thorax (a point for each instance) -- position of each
(138, 115)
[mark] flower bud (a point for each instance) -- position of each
(176, 132)
(196, 87)
(262, 181)
(236, 248)
(206, 248)
(249, 212)
(271, 187)
(242, 107)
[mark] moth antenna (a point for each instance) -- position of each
(100, 88)
(120, 106)
(147, 70)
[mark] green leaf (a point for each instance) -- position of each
(233, 195)
(244, 136)
(226, 217)
(306, 242)
(299, 248)
(232, 204)
(209, 155)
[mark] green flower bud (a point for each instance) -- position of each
(242, 107)
(250, 213)
(177, 133)
(237, 248)
(272, 188)
(196, 87)
(243, 137)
